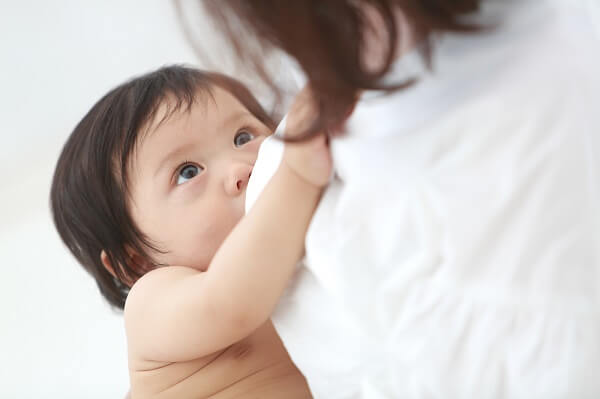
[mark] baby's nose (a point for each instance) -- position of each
(237, 179)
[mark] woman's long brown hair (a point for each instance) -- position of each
(326, 38)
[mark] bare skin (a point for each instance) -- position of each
(257, 366)
(200, 327)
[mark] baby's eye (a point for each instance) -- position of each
(188, 172)
(242, 138)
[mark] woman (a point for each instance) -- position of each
(456, 252)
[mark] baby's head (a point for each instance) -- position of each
(155, 174)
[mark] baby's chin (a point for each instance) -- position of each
(200, 264)
(201, 268)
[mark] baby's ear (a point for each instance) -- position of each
(109, 266)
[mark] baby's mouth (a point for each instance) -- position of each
(239, 183)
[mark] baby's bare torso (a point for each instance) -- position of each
(256, 367)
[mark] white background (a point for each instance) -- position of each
(58, 337)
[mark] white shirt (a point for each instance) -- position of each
(457, 253)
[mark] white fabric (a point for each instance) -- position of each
(457, 254)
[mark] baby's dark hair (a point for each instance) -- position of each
(89, 194)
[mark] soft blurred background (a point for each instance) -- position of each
(58, 337)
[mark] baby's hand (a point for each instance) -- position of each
(310, 159)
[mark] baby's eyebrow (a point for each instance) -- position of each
(175, 153)
(235, 117)
(180, 150)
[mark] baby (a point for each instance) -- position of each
(148, 194)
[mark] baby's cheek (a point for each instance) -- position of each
(201, 246)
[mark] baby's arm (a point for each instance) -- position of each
(178, 313)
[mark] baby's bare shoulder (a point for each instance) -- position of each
(158, 280)
(154, 305)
